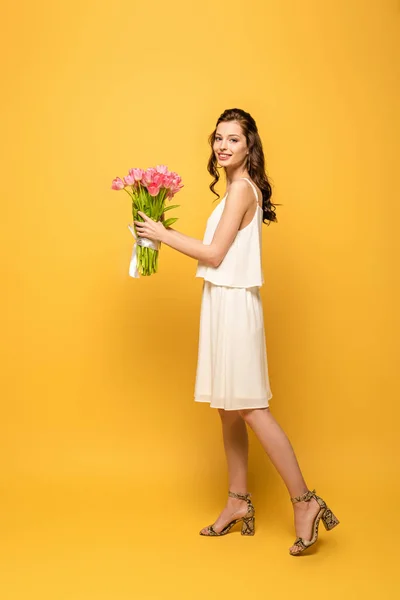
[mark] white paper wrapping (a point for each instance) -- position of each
(139, 241)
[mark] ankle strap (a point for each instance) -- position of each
(240, 496)
(305, 497)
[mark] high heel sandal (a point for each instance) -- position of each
(248, 521)
(328, 518)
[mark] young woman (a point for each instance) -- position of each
(232, 370)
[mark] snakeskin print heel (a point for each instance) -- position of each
(328, 518)
(248, 521)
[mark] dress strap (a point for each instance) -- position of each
(253, 186)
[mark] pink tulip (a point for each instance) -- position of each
(175, 189)
(162, 169)
(117, 184)
(138, 174)
(148, 176)
(130, 178)
(158, 179)
(168, 179)
(153, 189)
(177, 178)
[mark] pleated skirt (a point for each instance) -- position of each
(232, 367)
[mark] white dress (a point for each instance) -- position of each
(232, 368)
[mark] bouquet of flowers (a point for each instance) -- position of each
(149, 190)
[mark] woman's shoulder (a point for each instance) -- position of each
(239, 184)
(240, 192)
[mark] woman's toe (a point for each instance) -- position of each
(206, 530)
(295, 549)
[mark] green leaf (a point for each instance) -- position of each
(169, 207)
(169, 222)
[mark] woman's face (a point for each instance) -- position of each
(230, 145)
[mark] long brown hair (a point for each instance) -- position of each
(255, 161)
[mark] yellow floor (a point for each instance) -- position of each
(109, 540)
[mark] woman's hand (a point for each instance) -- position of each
(152, 230)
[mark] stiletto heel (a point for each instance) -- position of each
(328, 518)
(248, 520)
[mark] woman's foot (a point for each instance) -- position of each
(304, 515)
(234, 509)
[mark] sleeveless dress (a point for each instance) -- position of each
(232, 368)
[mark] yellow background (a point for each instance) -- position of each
(108, 467)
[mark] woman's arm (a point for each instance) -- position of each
(188, 245)
(238, 201)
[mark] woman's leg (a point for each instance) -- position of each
(236, 446)
(279, 449)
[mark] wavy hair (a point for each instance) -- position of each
(255, 161)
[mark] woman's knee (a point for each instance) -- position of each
(245, 413)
